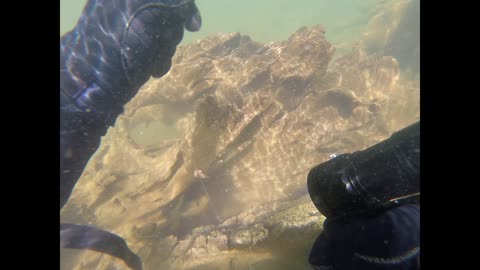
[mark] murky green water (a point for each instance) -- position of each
(345, 22)
(264, 20)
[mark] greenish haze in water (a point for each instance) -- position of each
(263, 20)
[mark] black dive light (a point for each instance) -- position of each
(387, 173)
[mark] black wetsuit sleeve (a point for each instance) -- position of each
(388, 240)
(320, 258)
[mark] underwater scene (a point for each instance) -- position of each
(201, 162)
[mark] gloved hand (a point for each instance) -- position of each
(388, 240)
(116, 46)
